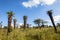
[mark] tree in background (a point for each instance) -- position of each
(51, 17)
(43, 22)
(14, 23)
(37, 21)
(1, 25)
(58, 24)
(27, 25)
(25, 21)
(10, 15)
(5, 27)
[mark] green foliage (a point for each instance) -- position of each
(31, 34)
(37, 21)
(10, 13)
(58, 24)
(24, 17)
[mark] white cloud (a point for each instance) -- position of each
(20, 24)
(48, 2)
(35, 3)
(56, 18)
(31, 3)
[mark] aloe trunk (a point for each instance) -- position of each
(14, 23)
(25, 20)
(52, 20)
(9, 23)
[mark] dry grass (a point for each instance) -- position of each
(30, 34)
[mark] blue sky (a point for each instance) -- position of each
(32, 8)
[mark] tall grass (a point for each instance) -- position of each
(30, 34)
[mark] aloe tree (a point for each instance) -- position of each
(52, 20)
(25, 21)
(37, 21)
(27, 25)
(10, 15)
(14, 23)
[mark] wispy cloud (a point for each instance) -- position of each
(35, 3)
(56, 18)
(20, 24)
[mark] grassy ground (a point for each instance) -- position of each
(30, 34)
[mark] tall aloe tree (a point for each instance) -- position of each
(52, 20)
(10, 15)
(14, 23)
(25, 21)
